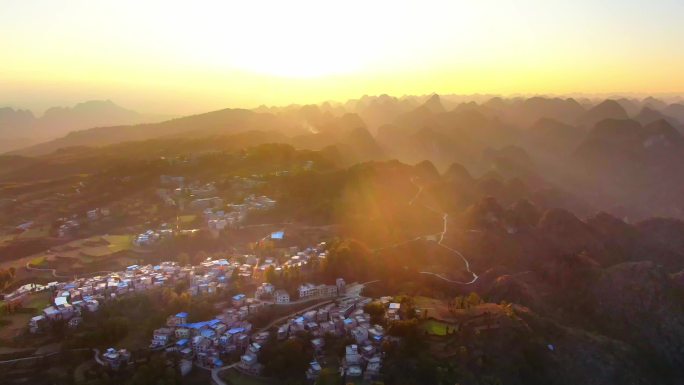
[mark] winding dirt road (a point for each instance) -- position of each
(440, 242)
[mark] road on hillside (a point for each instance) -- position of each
(440, 241)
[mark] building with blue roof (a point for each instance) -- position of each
(239, 299)
(199, 325)
(278, 235)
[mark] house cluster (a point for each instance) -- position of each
(97, 213)
(212, 275)
(309, 290)
(267, 291)
(219, 218)
(175, 192)
(71, 298)
(150, 237)
(205, 203)
(245, 184)
(68, 304)
(307, 255)
(115, 359)
(363, 359)
(204, 343)
(67, 227)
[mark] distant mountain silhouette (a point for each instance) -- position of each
(552, 138)
(14, 122)
(631, 106)
(654, 103)
(608, 109)
(649, 115)
(59, 121)
(637, 166)
(676, 111)
(434, 104)
(228, 121)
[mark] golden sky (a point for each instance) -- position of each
(178, 57)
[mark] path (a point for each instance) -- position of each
(440, 242)
(41, 356)
(54, 271)
(96, 352)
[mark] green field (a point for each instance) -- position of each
(36, 262)
(436, 328)
(185, 219)
(95, 247)
(34, 232)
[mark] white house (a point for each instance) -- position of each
(282, 297)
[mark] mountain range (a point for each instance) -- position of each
(621, 155)
(21, 128)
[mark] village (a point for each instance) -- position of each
(336, 310)
(262, 292)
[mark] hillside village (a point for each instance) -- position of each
(207, 344)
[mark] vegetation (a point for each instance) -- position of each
(286, 360)
(6, 277)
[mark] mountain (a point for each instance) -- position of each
(654, 103)
(551, 138)
(222, 122)
(631, 106)
(13, 123)
(347, 132)
(649, 115)
(434, 104)
(24, 129)
(58, 121)
(676, 111)
(15, 126)
(608, 109)
(632, 169)
(459, 135)
(379, 110)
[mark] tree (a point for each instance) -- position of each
(376, 311)
(183, 259)
(328, 376)
(287, 359)
(473, 299)
(269, 274)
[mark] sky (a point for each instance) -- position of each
(180, 57)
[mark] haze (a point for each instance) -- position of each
(175, 57)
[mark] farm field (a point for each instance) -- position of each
(436, 328)
(15, 323)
